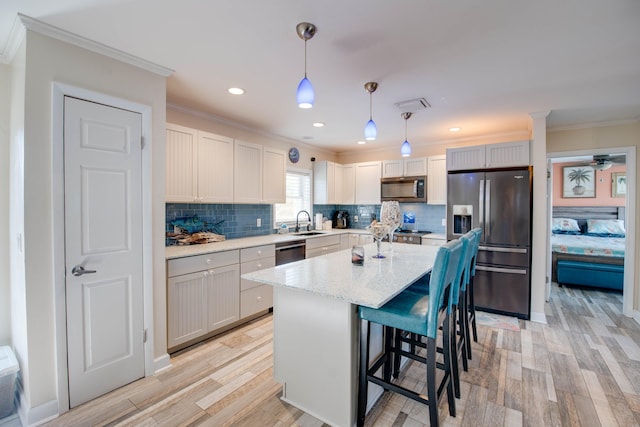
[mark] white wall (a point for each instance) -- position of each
(5, 294)
(50, 60)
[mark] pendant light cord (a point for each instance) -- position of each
(305, 58)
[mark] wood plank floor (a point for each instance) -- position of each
(581, 369)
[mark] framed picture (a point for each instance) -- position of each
(619, 184)
(578, 181)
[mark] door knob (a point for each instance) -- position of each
(79, 270)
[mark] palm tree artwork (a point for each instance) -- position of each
(578, 176)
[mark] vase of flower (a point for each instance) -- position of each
(391, 216)
(378, 230)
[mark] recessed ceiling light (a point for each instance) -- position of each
(454, 129)
(362, 142)
(318, 124)
(236, 91)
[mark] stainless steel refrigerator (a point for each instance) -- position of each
(500, 203)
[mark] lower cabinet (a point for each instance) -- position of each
(255, 300)
(203, 295)
(255, 297)
(323, 245)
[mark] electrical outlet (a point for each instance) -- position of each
(259, 222)
(355, 218)
(444, 222)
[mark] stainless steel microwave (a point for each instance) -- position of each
(406, 189)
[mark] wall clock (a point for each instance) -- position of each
(294, 155)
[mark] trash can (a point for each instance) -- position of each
(8, 372)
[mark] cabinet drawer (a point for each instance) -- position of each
(255, 300)
(318, 242)
(250, 267)
(257, 252)
(178, 266)
(322, 251)
(433, 242)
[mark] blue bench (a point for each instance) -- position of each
(607, 276)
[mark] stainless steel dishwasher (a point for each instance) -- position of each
(290, 251)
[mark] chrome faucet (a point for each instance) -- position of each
(308, 224)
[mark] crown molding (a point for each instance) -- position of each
(589, 125)
(228, 122)
(16, 36)
(24, 23)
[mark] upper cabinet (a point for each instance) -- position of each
(437, 180)
(489, 156)
(404, 167)
(368, 176)
(324, 183)
(202, 167)
(348, 184)
(198, 166)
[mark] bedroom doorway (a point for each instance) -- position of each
(608, 178)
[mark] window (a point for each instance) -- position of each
(298, 198)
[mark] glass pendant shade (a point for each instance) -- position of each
(405, 150)
(370, 130)
(305, 94)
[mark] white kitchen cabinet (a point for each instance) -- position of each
(247, 172)
(274, 176)
(437, 180)
(345, 242)
(255, 297)
(368, 176)
(199, 166)
(324, 183)
(505, 154)
(203, 295)
(360, 239)
(348, 184)
(322, 245)
(405, 167)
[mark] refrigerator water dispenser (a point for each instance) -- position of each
(462, 218)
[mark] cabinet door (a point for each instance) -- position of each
(507, 154)
(223, 296)
(186, 308)
(348, 184)
(181, 165)
(344, 242)
(392, 168)
(368, 183)
(274, 176)
(365, 239)
(324, 183)
(354, 240)
(415, 167)
(255, 300)
(215, 168)
(437, 181)
(247, 172)
(466, 158)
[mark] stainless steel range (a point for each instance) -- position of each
(413, 237)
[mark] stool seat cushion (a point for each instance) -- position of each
(408, 311)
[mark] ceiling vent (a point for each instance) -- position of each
(413, 105)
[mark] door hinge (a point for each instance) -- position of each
(142, 142)
(144, 335)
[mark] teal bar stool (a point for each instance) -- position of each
(469, 301)
(415, 313)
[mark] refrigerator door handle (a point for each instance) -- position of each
(481, 205)
(502, 270)
(488, 208)
(510, 250)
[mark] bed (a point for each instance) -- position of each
(587, 245)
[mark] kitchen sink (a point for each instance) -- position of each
(308, 233)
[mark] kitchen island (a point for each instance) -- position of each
(316, 323)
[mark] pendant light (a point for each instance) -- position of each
(405, 150)
(370, 130)
(305, 95)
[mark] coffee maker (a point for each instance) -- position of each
(341, 219)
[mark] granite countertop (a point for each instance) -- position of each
(333, 275)
(172, 252)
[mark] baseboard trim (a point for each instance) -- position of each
(636, 316)
(538, 317)
(161, 363)
(39, 414)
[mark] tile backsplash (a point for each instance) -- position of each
(239, 220)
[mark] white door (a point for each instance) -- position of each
(103, 236)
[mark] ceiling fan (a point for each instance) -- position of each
(605, 161)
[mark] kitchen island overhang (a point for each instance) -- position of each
(316, 324)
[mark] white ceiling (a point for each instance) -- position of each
(482, 65)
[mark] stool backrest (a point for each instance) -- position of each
(478, 233)
(443, 276)
(467, 240)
